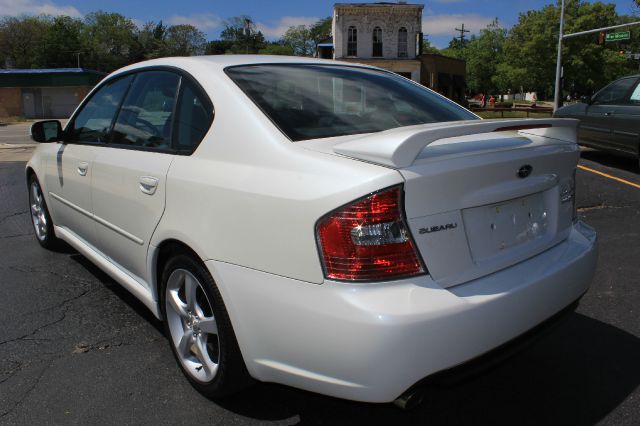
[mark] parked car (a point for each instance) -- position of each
(610, 120)
(311, 222)
(475, 102)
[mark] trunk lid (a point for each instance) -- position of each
(479, 196)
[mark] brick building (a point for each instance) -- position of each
(385, 35)
(44, 93)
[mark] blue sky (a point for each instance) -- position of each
(440, 17)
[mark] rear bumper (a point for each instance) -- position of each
(373, 342)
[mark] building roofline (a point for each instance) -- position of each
(49, 71)
(380, 4)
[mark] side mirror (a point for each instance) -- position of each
(46, 131)
(585, 99)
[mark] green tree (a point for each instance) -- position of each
(508, 78)
(109, 40)
(299, 39)
(185, 40)
(218, 47)
(276, 48)
(427, 47)
(532, 45)
(320, 31)
(242, 34)
(62, 44)
(151, 40)
(482, 54)
(22, 41)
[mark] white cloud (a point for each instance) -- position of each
(203, 22)
(34, 7)
(281, 26)
(444, 24)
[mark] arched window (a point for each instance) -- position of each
(352, 41)
(377, 42)
(402, 43)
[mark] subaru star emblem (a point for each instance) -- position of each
(524, 171)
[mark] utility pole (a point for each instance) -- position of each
(556, 93)
(462, 31)
(78, 55)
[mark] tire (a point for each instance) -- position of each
(40, 217)
(199, 330)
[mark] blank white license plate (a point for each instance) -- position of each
(499, 227)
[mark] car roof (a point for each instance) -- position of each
(219, 62)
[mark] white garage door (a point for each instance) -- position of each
(59, 102)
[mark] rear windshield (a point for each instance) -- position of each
(320, 101)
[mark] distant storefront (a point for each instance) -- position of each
(388, 35)
(384, 35)
(44, 93)
(445, 75)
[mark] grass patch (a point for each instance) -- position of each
(13, 119)
(513, 114)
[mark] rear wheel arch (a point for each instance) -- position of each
(28, 173)
(175, 256)
(165, 251)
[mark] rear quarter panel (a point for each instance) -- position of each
(250, 197)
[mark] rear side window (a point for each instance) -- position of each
(94, 120)
(615, 92)
(147, 112)
(194, 117)
(320, 101)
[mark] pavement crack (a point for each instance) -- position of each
(42, 327)
(13, 215)
(18, 366)
(28, 392)
(34, 270)
(15, 235)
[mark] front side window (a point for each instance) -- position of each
(194, 117)
(352, 41)
(402, 43)
(320, 101)
(93, 122)
(377, 42)
(146, 115)
(615, 93)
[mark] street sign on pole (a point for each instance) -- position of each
(624, 35)
(562, 36)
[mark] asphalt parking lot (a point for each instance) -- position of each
(75, 347)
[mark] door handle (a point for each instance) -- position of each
(148, 184)
(608, 113)
(83, 166)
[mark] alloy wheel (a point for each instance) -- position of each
(38, 211)
(192, 325)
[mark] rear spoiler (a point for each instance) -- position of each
(399, 147)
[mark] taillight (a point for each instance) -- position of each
(368, 240)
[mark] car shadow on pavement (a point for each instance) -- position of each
(611, 160)
(122, 293)
(577, 374)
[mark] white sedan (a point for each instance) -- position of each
(328, 226)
